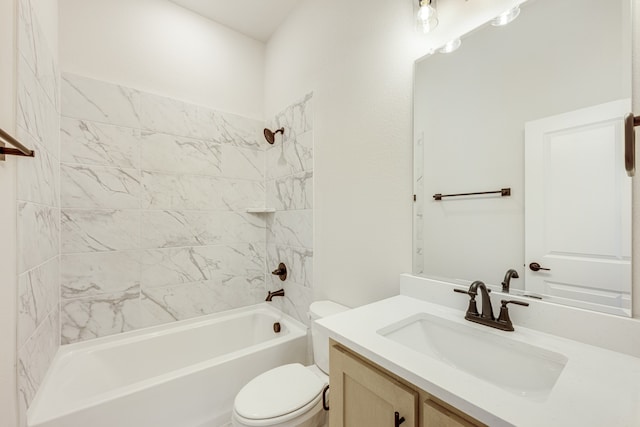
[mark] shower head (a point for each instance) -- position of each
(270, 136)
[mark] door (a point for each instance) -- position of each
(363, 396)
(578, 207)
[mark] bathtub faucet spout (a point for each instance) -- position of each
(278, 293)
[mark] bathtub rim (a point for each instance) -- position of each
(35, 414)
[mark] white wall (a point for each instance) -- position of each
(7, 221)
(159, 47)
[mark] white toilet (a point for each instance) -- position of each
(290, 395)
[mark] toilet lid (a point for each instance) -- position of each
(277, 392)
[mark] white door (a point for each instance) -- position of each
(578, 207)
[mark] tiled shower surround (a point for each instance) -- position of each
(289, 189)
(38, 209)
(154, 194)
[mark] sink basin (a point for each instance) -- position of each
(521, 368)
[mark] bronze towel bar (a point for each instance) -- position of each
(503, 192)
(20, 149)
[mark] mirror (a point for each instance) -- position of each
(537, 107)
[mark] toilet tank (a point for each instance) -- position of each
(319, 339)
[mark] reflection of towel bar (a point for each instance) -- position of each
(504, 192)
(20, 149)
(630, 143)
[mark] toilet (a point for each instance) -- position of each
(290, 395)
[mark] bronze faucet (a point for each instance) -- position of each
(510, 274)
(278, 293)
(503, 322)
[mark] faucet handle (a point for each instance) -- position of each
(505, 302)
(470, 293)
(473, 308)
(504, 313)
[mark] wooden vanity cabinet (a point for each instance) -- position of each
(364, 394)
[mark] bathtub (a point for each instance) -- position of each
(184, 374)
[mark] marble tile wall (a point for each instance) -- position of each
(154, 193)
(289, 189)
(38, 204)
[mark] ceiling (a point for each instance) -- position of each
(258, 19)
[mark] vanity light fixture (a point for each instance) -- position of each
(451, 46)
(427, 17)
(506, 17)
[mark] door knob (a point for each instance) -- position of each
(534, 266)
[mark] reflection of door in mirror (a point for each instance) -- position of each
(470, 112)
(577, 216)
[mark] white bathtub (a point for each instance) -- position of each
(183, 374)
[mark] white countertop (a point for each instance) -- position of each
(597, 387)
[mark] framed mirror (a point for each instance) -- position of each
(535, 107)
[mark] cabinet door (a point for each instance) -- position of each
(361, 395)
(434, 415)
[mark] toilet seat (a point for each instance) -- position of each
(279, 395)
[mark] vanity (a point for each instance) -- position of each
(416, 355)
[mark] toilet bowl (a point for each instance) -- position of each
(290, 395)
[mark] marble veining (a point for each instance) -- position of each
(36, 114)
(34, 359)
(99, 187)
(38, 234)
(238, 195)
(35, 50)
(164, 229)
(242, 163)
(170, 266)
(92, 317)
(178, 302)
(37, 297)
(168, 153)
(170, 116)
(92, 143)
(85, 230)
(291, 158)
(293, 192)
(291, 228)
(296, 118)
(98, 273)
(177, 191)
(230, 129)
(39, 176)
(100, 102)
(199, 192)
(28, 33)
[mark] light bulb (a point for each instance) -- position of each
(506, 17)
(427, 18)
(451, 46)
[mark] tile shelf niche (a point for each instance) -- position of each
(260, 210)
